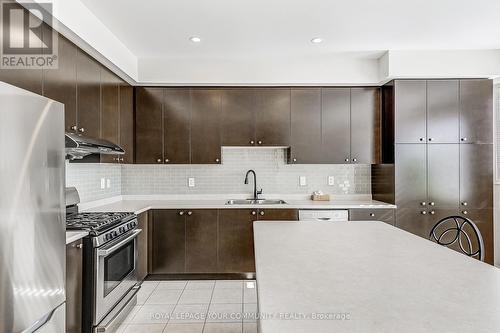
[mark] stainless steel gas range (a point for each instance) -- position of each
(110, 281)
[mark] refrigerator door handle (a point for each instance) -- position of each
(38, 325)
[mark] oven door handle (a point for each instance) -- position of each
(113, 248)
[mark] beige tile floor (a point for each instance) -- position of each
(215, 306)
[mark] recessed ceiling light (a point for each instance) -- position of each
(317, 40)
(195, 39)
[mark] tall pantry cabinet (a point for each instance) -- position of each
(438, 153)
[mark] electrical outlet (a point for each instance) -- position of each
(302, 181)
(108, 183)
(191, 182)
(103, 183)
(331, 180)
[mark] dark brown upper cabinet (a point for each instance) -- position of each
(239, 107)
(410, 111)
(443, 108)
(177, 125)
(256, 117)
(149, 125)
(272, 117)
(127, 122)
(476, 176)
(205, 126)
(476, 111)
(305, 146)
(59, 83)
(110, 112)
(335, 125)
(88, 102)
(365, 125)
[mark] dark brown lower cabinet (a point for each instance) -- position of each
(201, 241)
(384, 215)
(235, 250)
(142, 247)
(74, 284)
(168, 243)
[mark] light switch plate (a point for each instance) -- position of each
(302, 181)
(191, 182)
(103, 183)
(331, 180)
(108, 183)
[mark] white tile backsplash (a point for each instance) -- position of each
(274, 175)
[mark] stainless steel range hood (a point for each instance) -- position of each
(79, 146)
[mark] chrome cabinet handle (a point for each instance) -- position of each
(111, 249)
(463, 139)
(73, 128)
(121, 159)
(354, 160)
(464, 203)
(421, 139)
(190, 213)
(423, 212)
(158, 160)
(295, 160)
(167, 160)
(465, 212)
(181, 213)
(432, 203)
(254, 213)
(372, 214)
(79, 246)
(423, 203)
(347, 160)
(217, 160)
(432, 212)
(259, 142)
(81, 129)
(430, 139)
(262, 213)
(252, 142)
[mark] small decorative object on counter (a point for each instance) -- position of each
(319, 196)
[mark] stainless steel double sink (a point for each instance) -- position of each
(255, 202)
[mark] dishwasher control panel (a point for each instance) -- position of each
(328, 215)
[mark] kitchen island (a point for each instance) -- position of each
(368, 277)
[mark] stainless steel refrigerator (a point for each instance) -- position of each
(32, 216)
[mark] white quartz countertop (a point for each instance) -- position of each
(72, 236)
(375, 276)
(139, 204)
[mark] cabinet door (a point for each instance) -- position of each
(88, 96)
(272, 117)
(410, 111)
(415, 221)
(442, 111)
(238, 116)
(306, 125)
(279, 214)
(201, 241)
(74, 287)
(60, 83)
(205, 126)
(177, 123)
(443, 174)
(142, 246)
(476, 176)
(476, 111)
(384, 215)
(365, 125)
(110, 111)
(127, 122)
(149, 126)
(236, 248)
(335, 125)
(411, 175)
(168, 242)
(483, 218)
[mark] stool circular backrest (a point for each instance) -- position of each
(461, 231)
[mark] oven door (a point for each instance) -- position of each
(115, 273)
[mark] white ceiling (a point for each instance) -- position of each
(236, 28)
